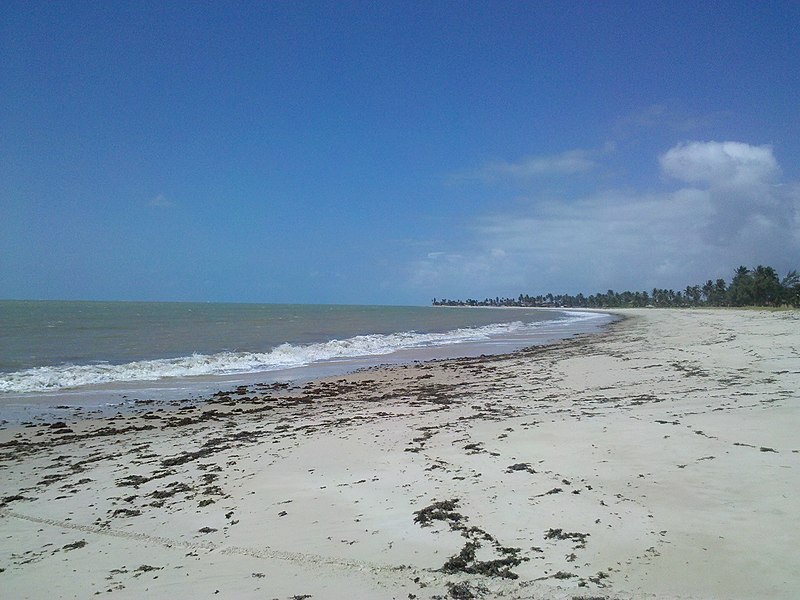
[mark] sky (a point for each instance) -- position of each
(392, 152)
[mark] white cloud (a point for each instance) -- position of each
(161, 201)
(732, 215)
(598, 242)
(720, 163)
(741, 180)
(566, 163)
(666, 117)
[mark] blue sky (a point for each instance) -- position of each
(391, 152)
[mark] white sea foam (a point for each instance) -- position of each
(52, 378)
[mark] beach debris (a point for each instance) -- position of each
(564, 575)
(444, 510)
(463, 590)
(521, 467)
(171, 490)
(74, 545)
(560, 534)
(137, 480)
(437, 393)
(126, 512)
(427, 433)
(599, 577)
(14, 498)
(466, 561)
(145, 569)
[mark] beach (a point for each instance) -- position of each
(656, 459)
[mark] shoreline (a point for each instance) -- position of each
(124, 397)
(655, 459)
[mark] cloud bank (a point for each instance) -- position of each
(726, 207)
(720, 163)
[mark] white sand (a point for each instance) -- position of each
(668, 446)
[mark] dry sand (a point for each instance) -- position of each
(656, 460)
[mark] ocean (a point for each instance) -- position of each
(100, 355)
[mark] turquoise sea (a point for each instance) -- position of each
(89, 352)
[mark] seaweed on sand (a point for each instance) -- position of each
(444, 510)
(560, 534)
(466, 561)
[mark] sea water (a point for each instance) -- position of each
(103, 354)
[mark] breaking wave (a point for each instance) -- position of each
(52, 378)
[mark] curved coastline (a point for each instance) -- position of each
(42, 393)
(597, 466)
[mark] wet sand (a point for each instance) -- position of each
(659, 459)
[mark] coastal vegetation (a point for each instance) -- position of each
(761, 286)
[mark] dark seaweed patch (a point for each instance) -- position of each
(443, 510)
(465, 561)
(74, 545)
(521, 467)
(560, 534)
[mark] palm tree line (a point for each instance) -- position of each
(757, 287)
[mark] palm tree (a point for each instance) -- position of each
(740, 292)
(760, 286)
(693, 294)
(790, 288)
(708, 291)
(766, 286)
(720, 292)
